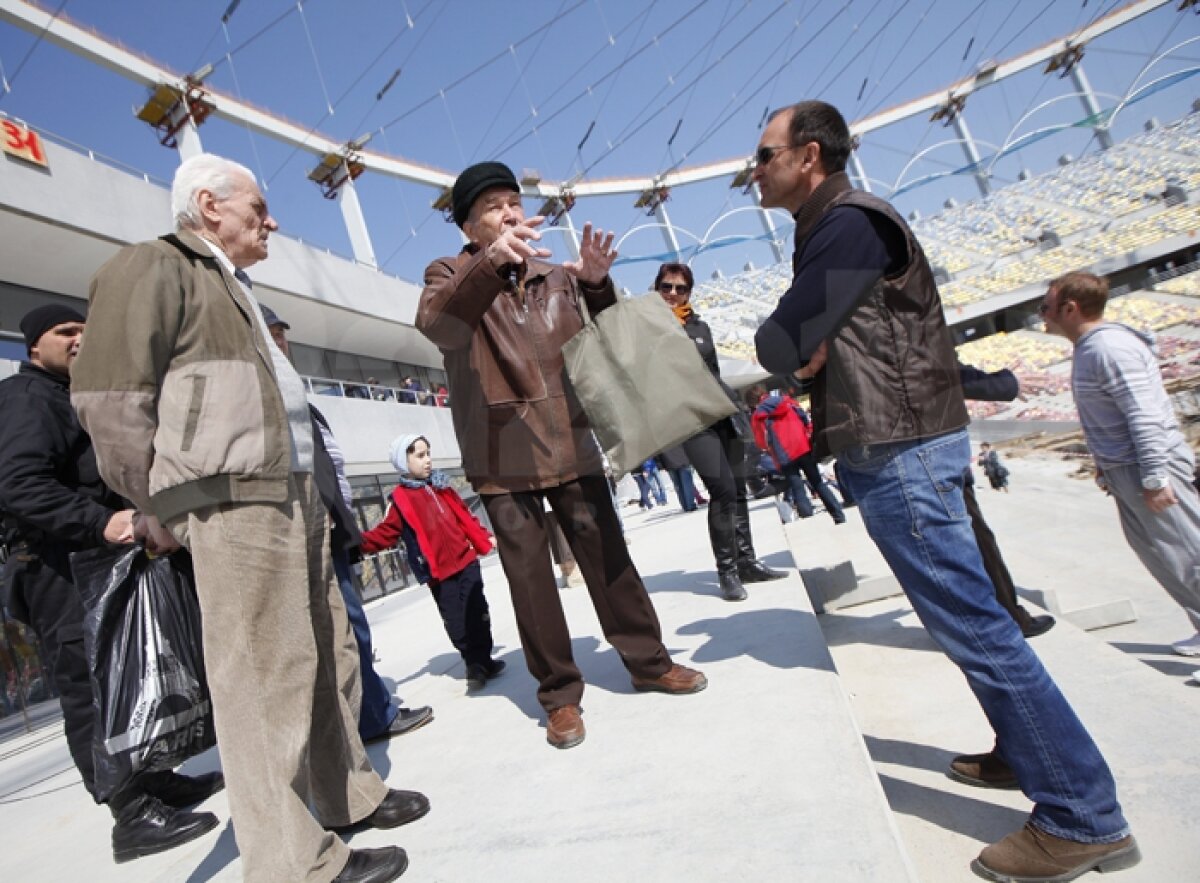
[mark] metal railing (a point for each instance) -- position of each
(353, 389)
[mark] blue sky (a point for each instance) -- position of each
(597, 87)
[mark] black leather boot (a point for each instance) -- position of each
(749, 568)
(725, 552)
(147, 825)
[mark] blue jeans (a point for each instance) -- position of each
(910, 496)
(685, 488)
(378, 708)
(656, 487)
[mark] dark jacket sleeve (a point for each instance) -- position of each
(997, 386)
(32, 447)
(844, 256)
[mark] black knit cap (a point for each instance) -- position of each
(476, 179)
(41, 319)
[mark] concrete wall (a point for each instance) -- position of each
(365, 430)
(58, 225)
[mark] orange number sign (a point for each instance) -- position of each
(22, 143)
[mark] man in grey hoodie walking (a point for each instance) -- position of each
(1142, 458)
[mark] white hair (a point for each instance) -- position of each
(204, 172)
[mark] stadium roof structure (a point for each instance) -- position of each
(338, 162)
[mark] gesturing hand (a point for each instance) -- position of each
(596, 256)
(512, 245)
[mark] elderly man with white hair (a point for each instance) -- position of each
(199, 419)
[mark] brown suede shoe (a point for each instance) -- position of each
(678, 679)
(982, 771)
(564, 727)
(1033, 856)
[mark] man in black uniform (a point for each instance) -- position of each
(54, 503)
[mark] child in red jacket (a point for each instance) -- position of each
(443, 542)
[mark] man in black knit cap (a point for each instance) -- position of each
(55, 503)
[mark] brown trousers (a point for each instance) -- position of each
(584, 509)
(283, 672)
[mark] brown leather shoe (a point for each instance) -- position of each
(564, 727)
(1033, 856)
(982, 771)
(678, 679)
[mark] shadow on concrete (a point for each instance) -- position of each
(702, 583)
(1172, 667)
(882, 628)
(219, 857)
(968, 816)
(1154, 649)
(773, 636)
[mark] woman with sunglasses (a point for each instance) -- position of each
(718, 454)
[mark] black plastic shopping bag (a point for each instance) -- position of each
(142, 637)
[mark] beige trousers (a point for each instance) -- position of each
(284, 676)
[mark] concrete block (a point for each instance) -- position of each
(1047, 599)
(1101, 616)
(837, 587)
(824, 583)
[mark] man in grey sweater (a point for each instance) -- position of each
(1142, 458)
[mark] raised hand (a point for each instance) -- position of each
(596, 256)
(512, 245)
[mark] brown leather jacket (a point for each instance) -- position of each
(519, 425)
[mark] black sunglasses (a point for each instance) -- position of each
(674, 288)
(764, 155)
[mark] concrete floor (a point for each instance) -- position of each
(816, 754)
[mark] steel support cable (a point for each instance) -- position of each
(565, 82)
(237, 86)
(477, 69)
(690, 92)
(229, 52)
(629, 132)
(933, 52)
(37, 41)
(642, 19)
(409, 25)
(625, 133)
(854, 58)
(603, 78)
(313, 51)
(500, 106)
(871, 66)
(598, 109)
(900, 47)
(720, 124)
(715, 126)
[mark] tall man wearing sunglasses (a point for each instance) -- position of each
(863, 321)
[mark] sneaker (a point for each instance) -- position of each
(1196, 677)
(982, 771)
(1033, 856)
(1190, 647)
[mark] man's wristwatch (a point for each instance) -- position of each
(1155, 482)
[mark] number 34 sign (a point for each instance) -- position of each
(22, 142)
